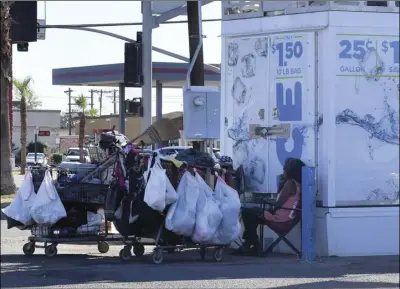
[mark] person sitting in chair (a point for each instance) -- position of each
(289, 196)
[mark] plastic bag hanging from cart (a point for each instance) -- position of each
(230, 228)
(20, 208)
(156, 187)
(170, 196)
(47, 208)
(208, 213)
(181, 216)
(159, 191)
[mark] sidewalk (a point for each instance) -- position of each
(185, 270)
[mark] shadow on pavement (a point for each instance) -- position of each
(38, 270)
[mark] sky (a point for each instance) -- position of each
(71, 48)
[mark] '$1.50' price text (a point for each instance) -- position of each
(358, 49)
(287, 50)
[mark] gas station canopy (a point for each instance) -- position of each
(170, 74)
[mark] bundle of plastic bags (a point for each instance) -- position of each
(181, 216)
(230, 227)
(20, 207)
(208, 213)
(159, 191)
(206, 216)
(45, 207)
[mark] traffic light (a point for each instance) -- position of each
(133, 76)
(134, 107)
(24, 22)
(23, 47)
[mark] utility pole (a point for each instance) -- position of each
(91, 99)
(197, 74)
(115, 101)
(68, 92)
(100, 92)
(101, 101)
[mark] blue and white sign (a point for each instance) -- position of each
(367, 118)
(360, 54)
(292, 98)
(269, 81)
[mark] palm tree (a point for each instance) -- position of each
(24, 91)
(7, 180)
(82, 103)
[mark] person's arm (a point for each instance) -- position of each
(288, 190)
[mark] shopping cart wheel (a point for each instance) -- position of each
(103, 247)
(50, 251)
(29, 248)
(125, 253)
(202, 253)
(138, 250)
(158, 256)
(219, 254)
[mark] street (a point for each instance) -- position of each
(84, 267)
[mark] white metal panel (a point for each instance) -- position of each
(244, 27)
(275, 24)
(357, 19)
(246, 70)
(326, 128)
(366, 77)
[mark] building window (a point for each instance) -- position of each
(377, 3)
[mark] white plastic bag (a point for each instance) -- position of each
(156, 187)
(93, 225)
(20, 207)
(157, 164)
(208, 213)
(230, 228)
(47, 208)
(170, 196)
(181, 216)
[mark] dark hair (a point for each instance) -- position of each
(293, 169)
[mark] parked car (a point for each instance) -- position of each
(73, 155)
(168, 152)
(172, 151)
(41, 159)
(121, 138)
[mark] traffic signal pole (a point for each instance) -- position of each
(147, 30)
(197, 73)
(121, 108)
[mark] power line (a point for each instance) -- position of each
(122, 24)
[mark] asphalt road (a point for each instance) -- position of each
(84, 267)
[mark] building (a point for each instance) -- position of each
(47, 122)
(322, 70)
(132, 123)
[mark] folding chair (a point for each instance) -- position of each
(281, 229)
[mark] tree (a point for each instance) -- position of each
(64, 120)
(81, 102)
(7, 180)
(24, 89)
(25, 93)
(40, 147)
